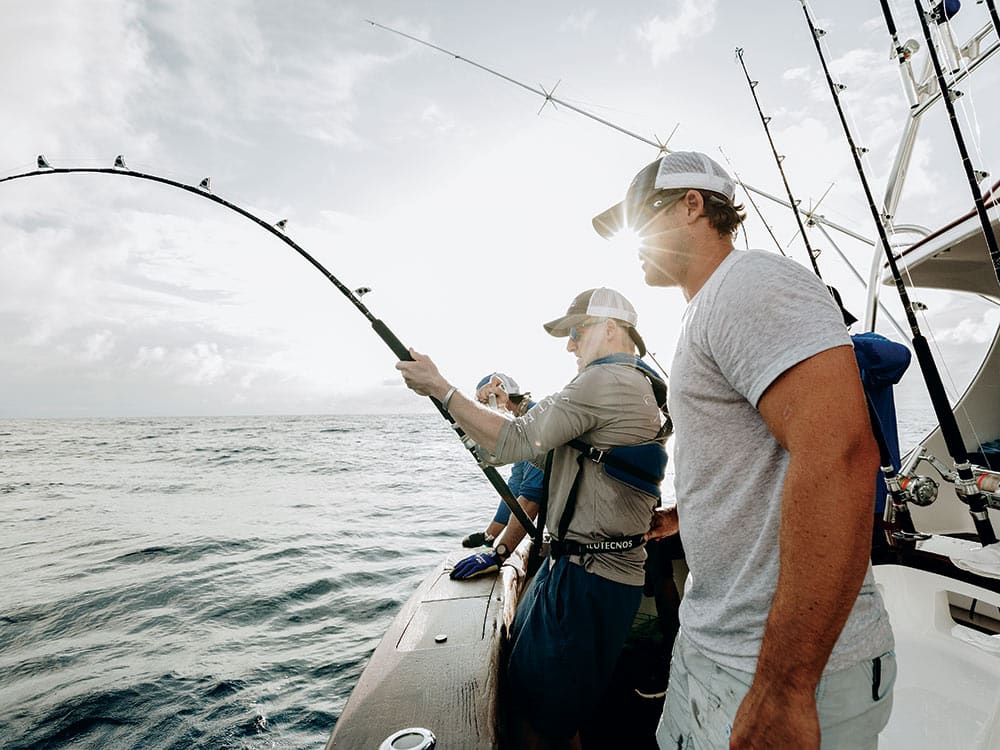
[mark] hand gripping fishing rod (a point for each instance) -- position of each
(203, 190)
(973, 175)
(965, 487)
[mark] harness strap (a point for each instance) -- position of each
(543, 506)
(559, 548)
(570, 509)
(607, 457)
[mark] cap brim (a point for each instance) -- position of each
(610, 222)
(639, 343)
(560, 326)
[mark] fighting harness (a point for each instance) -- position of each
(640, 466)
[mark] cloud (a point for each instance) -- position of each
(437, 119)
(972, 330)
(665, 36)
(97, 346)
(579, 21)
(797, 74)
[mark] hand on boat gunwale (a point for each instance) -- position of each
(478, 564)
(422, 377)
(663, 524)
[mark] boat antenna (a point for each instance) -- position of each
(778, 159)
(279, 230)
(965, 486)
(975, 176)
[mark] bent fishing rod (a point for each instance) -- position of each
(966, 488)
(203, 190)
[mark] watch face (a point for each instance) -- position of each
(501, 549)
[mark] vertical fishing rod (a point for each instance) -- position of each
(897, 496)
(903, 54)
(991, 6)
(965, 486)
(380, 328)
(973, 175)
(778, 159)
(756, 208)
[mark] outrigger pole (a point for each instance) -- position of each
(965, 487)
(778, 159)
(655, 143)
(948, 95)
(204, 190)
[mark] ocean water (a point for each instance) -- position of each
(212, 583)
(215, 582)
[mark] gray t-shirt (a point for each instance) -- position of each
(605, 405)
(757, 316)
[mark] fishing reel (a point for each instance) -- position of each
(920, 491)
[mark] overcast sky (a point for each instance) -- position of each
(440, 187)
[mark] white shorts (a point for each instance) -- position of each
(702, 698)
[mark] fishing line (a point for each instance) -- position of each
(778, 159)
(380, 328)
(660, 146)
(973, 175)
(753, 203)
(965, 486)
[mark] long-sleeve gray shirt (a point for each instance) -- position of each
(605, 405)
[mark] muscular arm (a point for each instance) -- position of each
(816, 411)
(481, 424)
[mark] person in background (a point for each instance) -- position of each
(501, 392)
(573, 619)
(506, 395)
(784, 637)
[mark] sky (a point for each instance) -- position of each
(457, 197)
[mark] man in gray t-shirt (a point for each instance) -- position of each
(784, 637)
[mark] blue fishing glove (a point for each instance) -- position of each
(480, 564)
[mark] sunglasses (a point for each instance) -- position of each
(644, 211)
(574, 331)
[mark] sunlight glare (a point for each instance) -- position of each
(626, 240)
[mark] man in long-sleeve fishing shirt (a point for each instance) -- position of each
(784, 641)
(572, 622)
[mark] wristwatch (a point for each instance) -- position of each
(502, 551)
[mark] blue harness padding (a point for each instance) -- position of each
(641, 466)
(882, 363)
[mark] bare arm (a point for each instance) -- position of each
(514, 532)
(481, 424)
(816, 411)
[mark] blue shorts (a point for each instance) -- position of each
(567, 635)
